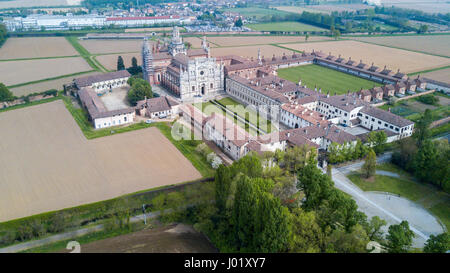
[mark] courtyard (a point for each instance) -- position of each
(116, 99)
(328, 79)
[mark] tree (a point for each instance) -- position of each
(424, 162)
(422, 29)
(437, 244)
(140, 89)
(329, 170)
(421, 132)
(307, 236)
(341, 241)
(238, 22)
(399, 238)
(273, 226)
(5, 94)
(315, 185)
(134, 69)
(374, 228)
(298, 157)
(377, 140)
(120, 64)
(306, 36)
(57, 223)
(222, 184)
(370, 163)
(336, 34)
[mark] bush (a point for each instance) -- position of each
(38, 229)
(429, 99)
(57, 223)
(8, 238)
(25, 232)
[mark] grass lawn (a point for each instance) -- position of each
(325, 78)
(436, 201)
(249, 115)
(208, 108)
(284, 26)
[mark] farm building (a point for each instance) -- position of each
(103, 82)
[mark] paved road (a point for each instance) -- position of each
(391, 208)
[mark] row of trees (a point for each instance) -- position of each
(134, 69)
(3, 34)
(428, 160)
(347, 152)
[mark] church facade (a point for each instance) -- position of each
(187, 73)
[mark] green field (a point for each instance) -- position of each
(436, 201)
(284, 26)
(325, 78)
(256, 13)
(208, 108)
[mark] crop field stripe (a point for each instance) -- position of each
(325, 78)
(402, 48)
(429, 70)
(73, 40)
(38, 58)
(50, 79)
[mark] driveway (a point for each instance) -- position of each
(389, 207)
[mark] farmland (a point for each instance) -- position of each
(48, 164)
(406, 61)
(196, 42)
(433, 44)
(284, 26)
(46, 85)
(110, 61)
(325, 78)
(249, 51)
(111, 46)
(170, 239)
(260, 40)
(36, 47)
(37, 3)
(442, 75)
(17, 72)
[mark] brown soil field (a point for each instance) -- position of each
(250, 51)
(178, 238)
(47, 164)
(46, 85)
(15, 72)
(195, 42)
(442, 75)
(259, 40)
(393, 58)
(111, 46)
(36, 47)
(110, 61)
(434, 44)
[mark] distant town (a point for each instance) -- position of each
(264, 126)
